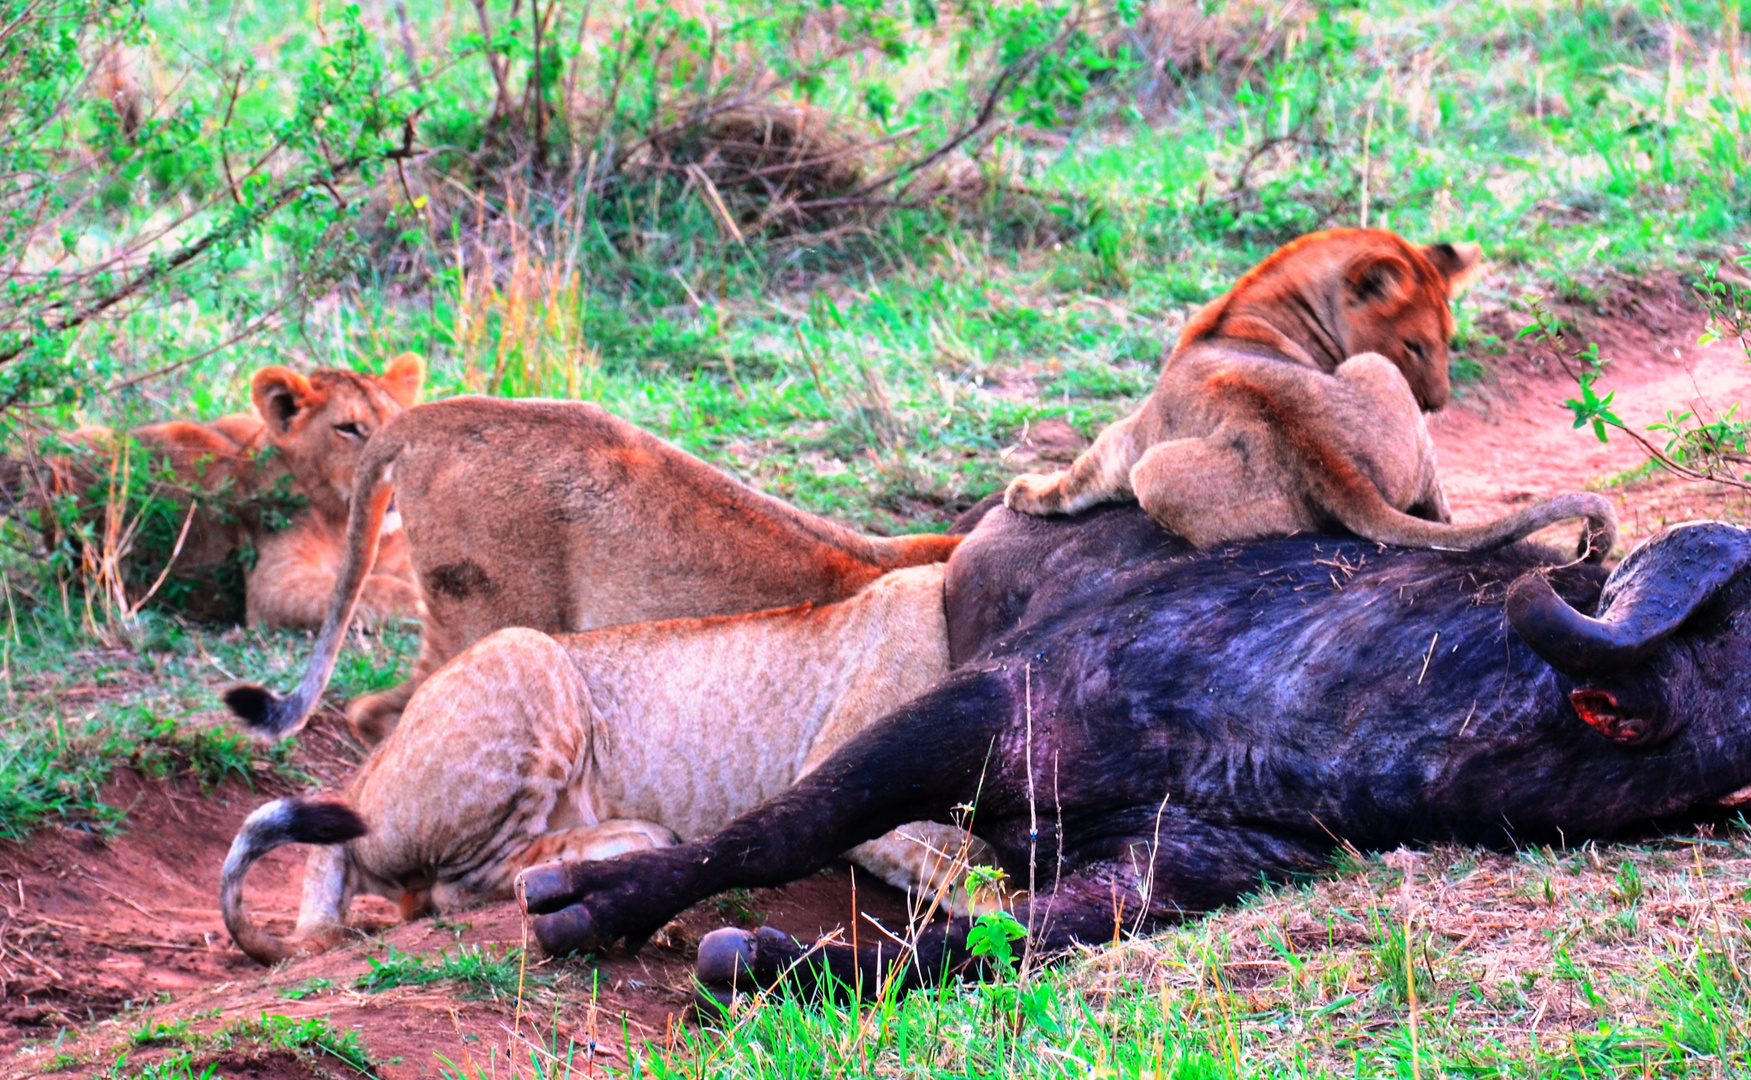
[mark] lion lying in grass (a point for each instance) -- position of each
(309, 430)
(528, 748)
(1295, 402)
(560, 517)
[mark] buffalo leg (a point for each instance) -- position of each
(1124, 887)
(918, 763)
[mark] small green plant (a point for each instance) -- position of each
(470, 965)
(1718, 450)
(176, 1033)
(1628, 888)
(1401, 961)
(993, 936)
(1728, 306)
(986, 883)
(311, 1035)
(307, 988)
(312, 1038)
(736, 905)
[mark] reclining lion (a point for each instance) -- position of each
(560, 517)
(308, 429)
(528, 748)
(1295, 402)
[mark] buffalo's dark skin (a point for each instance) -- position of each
(1148, 731)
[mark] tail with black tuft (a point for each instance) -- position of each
(264, 711)
(281, 822)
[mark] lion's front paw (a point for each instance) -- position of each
(1036, 493)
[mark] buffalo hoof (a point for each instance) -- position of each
(546, 888)
(568, 930)
(732, 962)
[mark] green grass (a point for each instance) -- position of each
(474, 968)
(226, 1052)
(76, 710)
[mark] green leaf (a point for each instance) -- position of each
(992, 935)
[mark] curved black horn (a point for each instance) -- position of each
(1650, 594)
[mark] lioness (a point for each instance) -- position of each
(311, 429)
(559, 516)
(1295, 401)
(528, 748)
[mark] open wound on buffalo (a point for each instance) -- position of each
(1600, 710)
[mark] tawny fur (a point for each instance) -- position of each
(528, 748)
(313, 428)
(561, 517)
(1295, 402)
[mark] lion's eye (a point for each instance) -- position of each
(1415, 348)
(350, 430)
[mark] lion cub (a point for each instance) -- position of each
(527, 748)
(1295, 402)
(311, 428)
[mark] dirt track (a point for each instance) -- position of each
(91, 926)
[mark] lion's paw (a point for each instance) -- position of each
(1038, 494)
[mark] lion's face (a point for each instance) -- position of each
(1394, 299)
(319, 424)
(1343, 292)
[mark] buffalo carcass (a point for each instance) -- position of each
(1148, 731)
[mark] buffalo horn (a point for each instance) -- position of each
(1649, 596)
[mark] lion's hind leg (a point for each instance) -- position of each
(1379, 423)
(1100, 474)
(930, 860)
(1215, 489)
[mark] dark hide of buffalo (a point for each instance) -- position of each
(1148, 731)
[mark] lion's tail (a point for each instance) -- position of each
(268, 713)
(1379, 520)
(283, 821)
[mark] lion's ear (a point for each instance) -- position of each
(280, 394)
(403, 378)
(1379, 277)
(1458, 263)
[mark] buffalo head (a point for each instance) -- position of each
(1683, 588)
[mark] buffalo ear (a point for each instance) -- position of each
(403, 378)
(1459, 264)
(280, 394)
(1379, 278)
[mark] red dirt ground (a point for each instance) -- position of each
(1505, 443)
(102, 936)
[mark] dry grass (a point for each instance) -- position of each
(1510, 956)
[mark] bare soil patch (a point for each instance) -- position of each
(104, 936)
(1511, 440)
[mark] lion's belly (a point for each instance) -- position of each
(697, 751)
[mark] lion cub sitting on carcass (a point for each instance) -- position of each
(527, 748)
(1295, 402)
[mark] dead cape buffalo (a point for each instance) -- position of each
(1148, 730)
